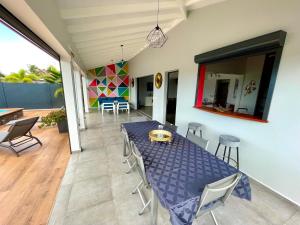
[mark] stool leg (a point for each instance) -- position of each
(229, 153)
(224, 152)
(217, 149)
(187, 132)
(237, 158)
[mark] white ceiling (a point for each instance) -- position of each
(98, 27)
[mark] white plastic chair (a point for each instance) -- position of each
(143, 183)
(203, 143)
(123, 106)
(216, 194)
(108, 106)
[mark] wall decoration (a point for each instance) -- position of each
(108, 81)
(158, 80)
(250, 87)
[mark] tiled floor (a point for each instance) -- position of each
(147, 110)
(96, 191)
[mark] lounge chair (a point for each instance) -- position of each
(19, 134)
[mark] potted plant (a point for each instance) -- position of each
(58, 118)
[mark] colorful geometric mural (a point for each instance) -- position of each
(108, 81)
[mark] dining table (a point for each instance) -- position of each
(179, 171)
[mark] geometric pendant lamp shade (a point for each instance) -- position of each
(156, 38)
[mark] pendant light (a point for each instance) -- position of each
(156, 38)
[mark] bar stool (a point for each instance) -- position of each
(231, 142)
(194, 127)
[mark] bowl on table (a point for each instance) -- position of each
(160, 136)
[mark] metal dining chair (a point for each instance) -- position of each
(127, 152)
(203, 143)
(216, 194)
(171, 126)
(143, 183)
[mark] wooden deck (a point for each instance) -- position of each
(29, 183)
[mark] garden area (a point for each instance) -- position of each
(32, 88)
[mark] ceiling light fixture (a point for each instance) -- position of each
(156, 38)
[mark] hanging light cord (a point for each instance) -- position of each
(157, 12)
(122, 53)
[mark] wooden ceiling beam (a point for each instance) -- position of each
(111, 10)
(104, 24)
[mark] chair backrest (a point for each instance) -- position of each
(203, 143)
(20, 128)
(140, 162)
(108, 105)
(219, 190)
(171, 126)
(126, 140)
(123, 105)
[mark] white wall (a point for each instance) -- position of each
(269, 152)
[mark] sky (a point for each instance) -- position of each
(16, 53)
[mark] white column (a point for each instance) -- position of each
(69, 94)
(85, 94)
(79, 97)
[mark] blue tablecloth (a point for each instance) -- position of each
(179, 171)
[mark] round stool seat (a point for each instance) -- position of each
(194, 125)
(229, 141)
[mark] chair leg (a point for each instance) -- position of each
(201, 133)
(13, 150)
(137, 187)
(237, 158)
(145, 206)
(214, 218)
(142, 197)
(229, 153)
(224, 152)
(124, 148)
(187, 132)
(131, 166)
(38, 140)
(217, 149)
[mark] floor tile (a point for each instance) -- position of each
(90, 192)
(101, 214)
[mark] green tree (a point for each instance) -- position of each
(54, 76)
(33, 69)
(21, 77)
